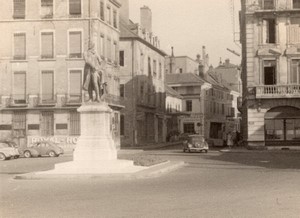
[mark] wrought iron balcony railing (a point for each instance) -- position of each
(278, 91)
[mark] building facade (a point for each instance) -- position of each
(271, 46)
(142, 81)
(41, 64)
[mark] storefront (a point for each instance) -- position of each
(282, 126)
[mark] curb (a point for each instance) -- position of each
(151, 172)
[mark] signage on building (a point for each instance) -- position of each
(62, 141)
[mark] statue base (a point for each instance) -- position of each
(95, 151)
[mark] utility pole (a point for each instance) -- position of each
(244, 71)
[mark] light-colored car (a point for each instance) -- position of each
(8, 151)
(45, 148)
(195, 143)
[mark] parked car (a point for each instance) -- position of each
(195, 143)
(41, 149)
(8, 150)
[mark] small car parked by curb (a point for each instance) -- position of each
(195, 143)
(44, 148)
(8, 150)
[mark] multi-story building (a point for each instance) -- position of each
(231, 74)
(142, 81)
(210, 105)
(193, 89)
(271, 43)
(41, 66)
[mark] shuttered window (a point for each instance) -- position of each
(115, 19)
(47, 86)
(19, 9)
(75, 7)
(75, 42)
(47, 42)
(19, 87)
(108, 15)
(47, 8)
(74, 123)
(19, 46)
(102, 11)
(75, 86)
(108, 49)
(47, 124)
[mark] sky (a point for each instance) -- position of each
(187, 25)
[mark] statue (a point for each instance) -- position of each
(93, 74)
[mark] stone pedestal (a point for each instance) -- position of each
(95, 151)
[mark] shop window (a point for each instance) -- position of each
(189, 128)
(47, 8)
(75, 44)
(75, 7)
(47, 124)
(19, 87)
(75, 86)
(269, 31)
(47, 86)
(274, 129)
(19, 46)
(189, 105)
(47, 42)
(19, 9)
(296, 4)
(75, 123)
(121, 58)
(270, 72)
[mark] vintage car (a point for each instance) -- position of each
(8, 150)
(41, 149)
(195, 143)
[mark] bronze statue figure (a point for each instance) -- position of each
(93, 74)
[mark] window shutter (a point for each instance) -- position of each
(75, 44)
(47, 45)
(75, 7)
(20, 46)
(19, 9)
(47, 8)
(75, 85)
(47, 86)
(19, 86)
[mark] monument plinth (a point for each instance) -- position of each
(95, 151)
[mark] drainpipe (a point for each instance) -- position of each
(133, 96)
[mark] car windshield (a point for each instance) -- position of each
(196, 138)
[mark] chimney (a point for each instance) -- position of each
(227, 61)
(124, 11)
(146, 18)
(204, 58)
(200, 66)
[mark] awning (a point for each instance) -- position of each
(283, 112)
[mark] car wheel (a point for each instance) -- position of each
(52, 154)
(2, 156)
(27, 154)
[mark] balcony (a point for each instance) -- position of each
(278, 91)
(47, 100)
(18, 101)
(74, 99)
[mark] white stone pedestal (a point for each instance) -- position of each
(95, 151)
